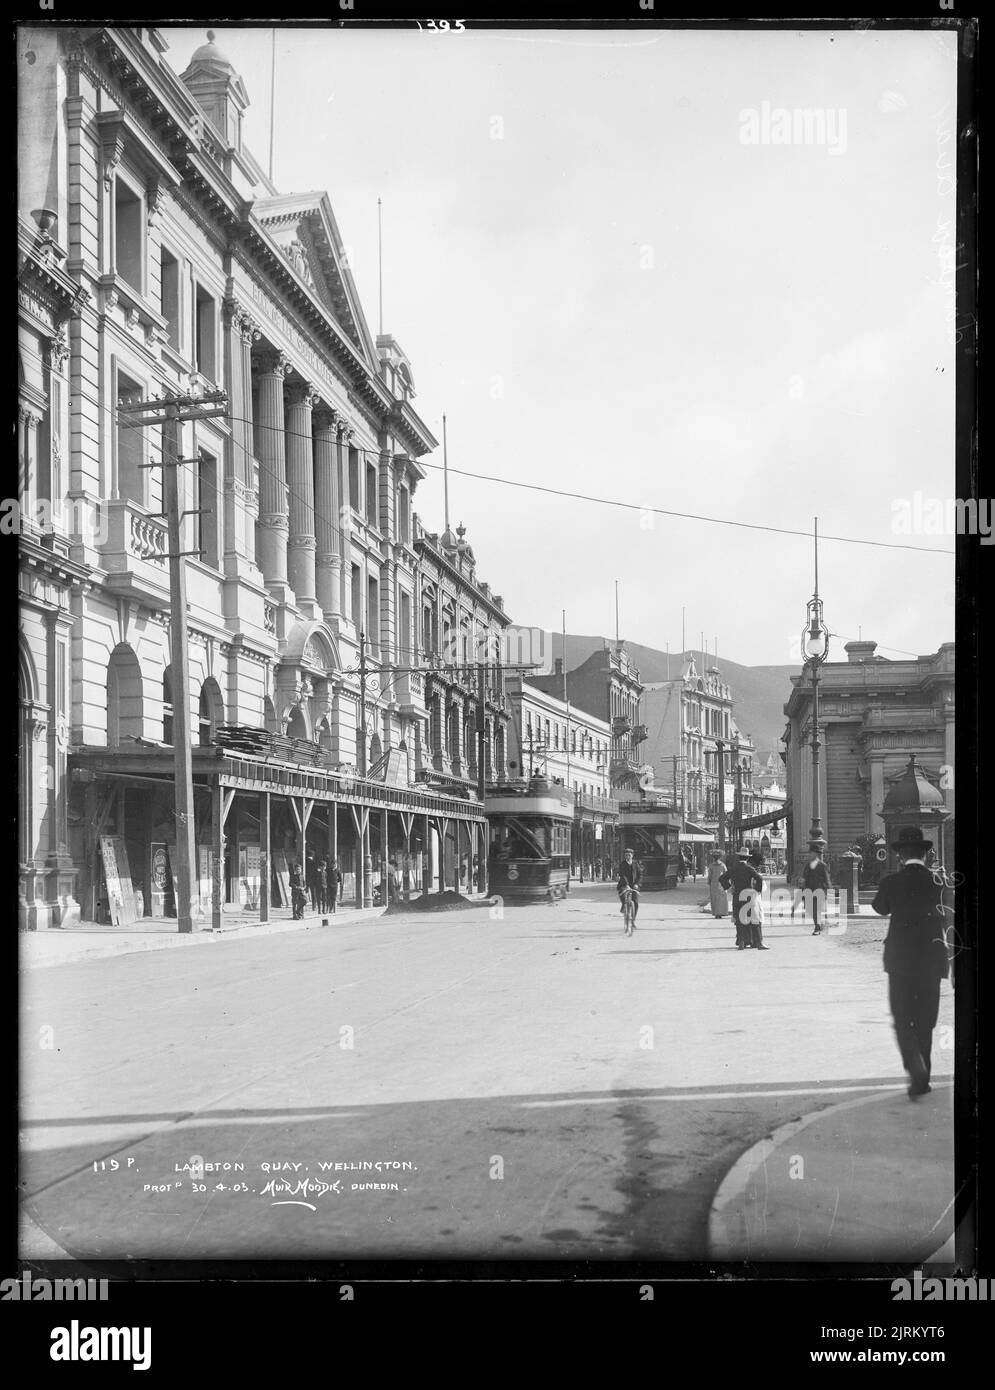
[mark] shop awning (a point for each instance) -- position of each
(696, 834)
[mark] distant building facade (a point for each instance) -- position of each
(460, 623)
(565, 744)
(607, 685)
(874, 715)
(686, 718)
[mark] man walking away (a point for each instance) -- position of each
(915, 954)
(816, 885)
(746, 885)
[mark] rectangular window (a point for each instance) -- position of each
(373, 611)
(128, 234)
(357, 597)
(205, 333)
(372, 508)
(169, 295)
(354, 499)
(206, 529)
(404, 515)
(130, 444)
(404, 652)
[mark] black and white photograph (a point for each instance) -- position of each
(489, 521)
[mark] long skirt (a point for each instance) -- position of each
(718, 899)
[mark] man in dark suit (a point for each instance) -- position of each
(915, 954)
(816, 884)
(630, 876)
(746, 885)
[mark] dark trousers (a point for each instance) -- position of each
(915, 1004)
(747, 933)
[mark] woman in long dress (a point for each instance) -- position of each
(718, 899)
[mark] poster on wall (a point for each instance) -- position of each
(159, 876)
(117, 876)
(282, 874)
(249, 876)
(205, 865)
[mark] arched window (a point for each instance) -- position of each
(376, 750)
(124, 696)
(297, 724)
(210, 712)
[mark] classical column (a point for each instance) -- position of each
(240, 506)
(301, 397)
(328, 559)
(343, 516)
(273, 517)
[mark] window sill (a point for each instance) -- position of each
(115, 292)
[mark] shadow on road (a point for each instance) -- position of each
(613, 1175)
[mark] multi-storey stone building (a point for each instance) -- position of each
(461, 627)
(157, 257)
(874, 715)
(564, 744)
(686, 720)
(607, 686)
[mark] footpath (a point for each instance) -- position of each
(88, 941)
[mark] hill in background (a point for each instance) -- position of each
(759, 692)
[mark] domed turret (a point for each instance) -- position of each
(210, 53)
(217, 88)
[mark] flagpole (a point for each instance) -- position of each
(380, 257)
(272, 99)
(445, 472)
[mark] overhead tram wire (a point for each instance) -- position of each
(572, 496)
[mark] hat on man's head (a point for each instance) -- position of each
(742, 854)
(910, 838)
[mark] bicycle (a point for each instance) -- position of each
(628, 912)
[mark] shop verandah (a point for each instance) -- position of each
(254, 817)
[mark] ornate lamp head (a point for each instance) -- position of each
(815, 638)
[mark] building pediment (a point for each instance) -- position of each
(303, 227)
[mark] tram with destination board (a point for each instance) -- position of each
(652, 829)
(529, 841)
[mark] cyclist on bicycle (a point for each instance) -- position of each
(630, 875)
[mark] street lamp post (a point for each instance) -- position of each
(815, 650)
(720, 753)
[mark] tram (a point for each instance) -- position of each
(651, 829)
(529, 841)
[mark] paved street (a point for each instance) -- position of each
(551, 1088)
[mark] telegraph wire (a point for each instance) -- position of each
(550, 491)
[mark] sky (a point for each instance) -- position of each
(622, 266)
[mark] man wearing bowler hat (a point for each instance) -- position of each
(915, 954)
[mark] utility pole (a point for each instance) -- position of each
(720, 753)
(481, 732)
(361, 726)
(737, 802)
(169, 413)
